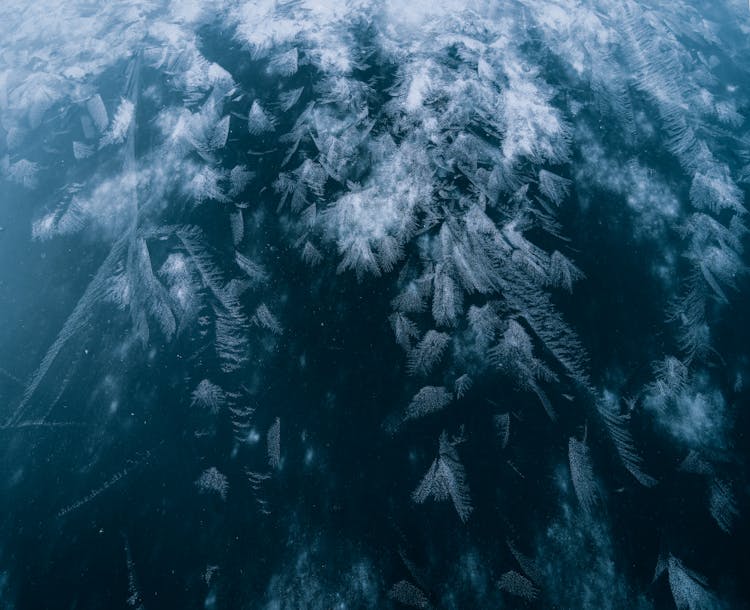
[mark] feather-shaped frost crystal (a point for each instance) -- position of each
(208, 395)
(273, 442)
(258, 120)
(582, 474)
(428, 400)
(427, 353)
(446, 479)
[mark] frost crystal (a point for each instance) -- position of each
(258, 121)
(212, 481)
(428, 352)
(446, 479)
(516, 584)
(582, 473)
(273, 441)
(209, 396)
(428, 400)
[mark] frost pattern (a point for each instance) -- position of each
(113, 480)
(213, 481)
(118, 129)
(258, 121)
(722, 505)
(231, 343)
(254, 271)
(617, 426)
(410, 595)
(209, 396)
(502, 427)
(448, 183)
(517, 584)
(265, 319)
(428, 400)
(552, 186)
(514, 355)
(582, 474)
(446, 479)
(689, 590)
(134, 599)
(463, 385)
(273, 444)
(428, 352)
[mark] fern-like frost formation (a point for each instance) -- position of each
(300, 282)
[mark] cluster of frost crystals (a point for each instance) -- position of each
(446, 479)
(688, 407)
(213, 481)
(404, 181)
(440, 146)
(118, 113)
(452, 178)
